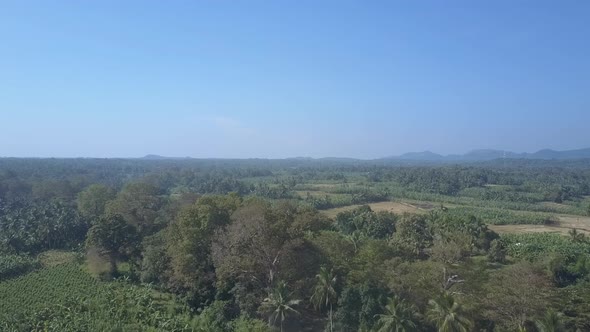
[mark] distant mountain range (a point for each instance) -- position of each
(489, 154)
(428, 156)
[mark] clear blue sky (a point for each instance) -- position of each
(292, 78)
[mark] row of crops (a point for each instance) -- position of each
(37, 290)
(540, 246)
(15, 265)
(496, 216)
(66, 298)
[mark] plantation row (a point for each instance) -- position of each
(65, 298)
(496, 216)
(26, 294)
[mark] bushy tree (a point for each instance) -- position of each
(451, 248)
(139, 204)
(92, 201)
(412, 235)
(264, 243)
(114, 238)
(365, 221)
(516, 294)
(497, 252)
(188, 244)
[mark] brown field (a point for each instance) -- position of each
(565, 224)
(395, 207)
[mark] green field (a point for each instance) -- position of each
(66, 298)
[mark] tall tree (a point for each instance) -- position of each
(279, 304)
(324, 292)
(399, 316)
(412, 234)
(92, 201)
(114, 238)
(518, 293)
(139, 203)
(265, 243)
(448, 315)
(188, 244)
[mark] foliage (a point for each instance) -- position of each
(535, 246)
(216, 262)
(324, 293)
(93, 200)
(187, 247)
(365, 221)
(519, 293)
(448, 315)
(35, 226)
(359, 307)
(15, 265)
(399, 316)
(551, 322)
(114, 238)
(264, 242)
(497, 252)
(64, 298)
(138, 203)
(246, 324)
(279, 304)
(412, 235)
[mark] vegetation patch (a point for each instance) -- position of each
(15, 265)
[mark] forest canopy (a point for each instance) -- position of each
(262, 245)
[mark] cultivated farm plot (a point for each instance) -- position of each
(565, 224)
(395, 207)
(37, 290)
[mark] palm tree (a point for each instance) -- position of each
(551, 322)
(324, 293)
(356, 238)
(278, 304)
(448, 315)
(399, 316)
(577, 236)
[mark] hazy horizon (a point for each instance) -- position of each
(276, 79)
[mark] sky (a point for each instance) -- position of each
(276, 79)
